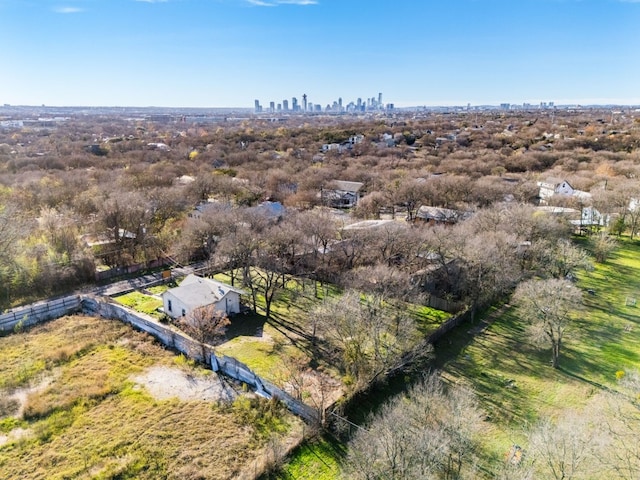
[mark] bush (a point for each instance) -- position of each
(266, 416)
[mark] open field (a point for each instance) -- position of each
(513, 378)
(90, 398)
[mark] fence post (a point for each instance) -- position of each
(214, 361)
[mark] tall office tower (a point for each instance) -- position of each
(359, 104)
(340, 103)
(294, 104)
(380, 100)
(285, 105)
(272, 107)
(257, 106)
(304, 102)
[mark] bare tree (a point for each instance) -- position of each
(371, 204)
(564, 258)
(371, 338)
(13, 228)
(431, 433)
(567, 449)
(549, 306)
(489, 267)
(380, 279)
(410, 193)
(602, 245)
(623, 427)
(205, 325)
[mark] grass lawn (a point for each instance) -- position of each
(141, 302)
(514, 379)
(316, 459)
(84, 417)
(270, 347)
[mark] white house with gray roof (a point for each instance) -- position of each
(341, 194)
(197, 292)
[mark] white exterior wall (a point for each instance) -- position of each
(176, 305)
(230, 304)
(232, 300)
(564, 189)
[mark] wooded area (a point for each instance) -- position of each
(99, 192)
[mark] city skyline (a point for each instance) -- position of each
(374, 103)
(227, 53)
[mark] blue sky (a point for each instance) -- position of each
(226, 53)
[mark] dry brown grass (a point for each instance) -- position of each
(27, 355)
(91, 421)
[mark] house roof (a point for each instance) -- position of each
(369, 224)
(197, 291)
(552, 209)
(441, 214)
(551, 181)
(346, 186)
(271, 210)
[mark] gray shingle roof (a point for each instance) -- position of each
(197, 291)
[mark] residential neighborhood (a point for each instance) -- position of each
(276, 286)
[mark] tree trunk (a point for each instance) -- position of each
(555, 353)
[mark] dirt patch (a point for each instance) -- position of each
(171, 382)
(13, 406)
(14, 434)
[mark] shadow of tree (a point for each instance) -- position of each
(250, 325)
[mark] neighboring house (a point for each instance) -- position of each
(204, 207)
(369, 224)
(109, 238)
(344, 146)
(590, 217)
(440, 216)
(159, 146)
(196, 292)
(551, 187)
(341, 194)
(272, 211)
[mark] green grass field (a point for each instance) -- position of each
(141, 302)
(272, 347)
(317, 459)
(514, 379)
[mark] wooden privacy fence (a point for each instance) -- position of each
(39, 312)
(449, 325)
(130, 269)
